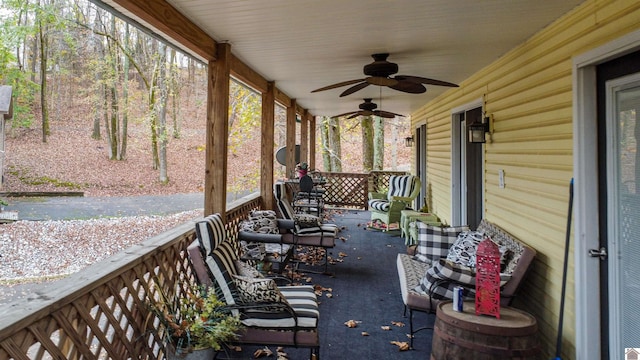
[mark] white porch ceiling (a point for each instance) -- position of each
(306, 44)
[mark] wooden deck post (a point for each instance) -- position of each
(291, 138)
(266, 145)
(304, 137)
(217, 133)
(312, 141)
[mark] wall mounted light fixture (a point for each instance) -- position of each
(477, 130)
(408, 141)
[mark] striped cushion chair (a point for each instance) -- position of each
(386, 207)
(285, 210)
(291, 320)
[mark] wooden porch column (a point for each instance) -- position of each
(304, 137)
(291, 138)
(312, 142)
(217, 133)
(266, 145)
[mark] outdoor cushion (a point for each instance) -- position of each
(264, 222)
(247, 270)
(400, 185)
(303, 302)
(463, 250)
(434, 242)
(455, 274)
(222, 267)
(210, 232)
(258, 290)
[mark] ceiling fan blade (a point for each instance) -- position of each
(386, 114)
(409, 87)
(340, 84)
(423, 80)
(344, 114)
(357, 113)
(381, 81)
(354, 88)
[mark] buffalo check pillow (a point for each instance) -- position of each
(434, 242)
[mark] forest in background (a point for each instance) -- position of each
(116, 105)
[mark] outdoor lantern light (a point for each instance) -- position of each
(488, 278)
(408, 141)
(477, 130)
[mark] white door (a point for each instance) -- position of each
(623, 213)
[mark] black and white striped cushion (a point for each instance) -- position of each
(302, 300)
(210, 232)
(400, 185)
(379, 204)
(221, 264)
(284, 207)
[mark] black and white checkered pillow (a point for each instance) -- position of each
(454, 274)
(434, 242)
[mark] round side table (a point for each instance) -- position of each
(465, 335)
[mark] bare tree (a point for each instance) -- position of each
(378, 143)
(367, 143)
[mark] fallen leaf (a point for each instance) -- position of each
(364, 333)
(236, 348)
(262, 353)
(352, 323)
(329, 295)
(402, 345)
(341, 254)
(386, 328)
(282, 355)
(398, 323)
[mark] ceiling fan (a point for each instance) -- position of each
(379, 73)
(367, 108)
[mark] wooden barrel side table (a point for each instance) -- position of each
(464, 335)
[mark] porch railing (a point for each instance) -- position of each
(350, 190)
(102, 312)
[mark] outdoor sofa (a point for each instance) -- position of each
(428, 278)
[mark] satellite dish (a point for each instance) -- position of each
(281, 155)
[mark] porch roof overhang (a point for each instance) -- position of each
(306, 44)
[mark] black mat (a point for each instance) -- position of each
(365, 289)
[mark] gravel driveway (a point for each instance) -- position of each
(73, 233)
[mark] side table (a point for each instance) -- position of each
(409, 216)
(465, 335)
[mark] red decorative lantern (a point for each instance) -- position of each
(488, 278)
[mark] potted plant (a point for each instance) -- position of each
(196, 325)
(302, 169)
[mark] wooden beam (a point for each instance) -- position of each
(217, 132)
(162, 16)
(312, 142)
(291, 138)
(247, 75)
(304, 137)
(266, 146)
(282, 98)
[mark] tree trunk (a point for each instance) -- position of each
(161, 108)
(43, 79)
(378, 143)
(324, 133)
(367, 143)
(175, 95)
(122, 153)
(153, 121)
(334, 142)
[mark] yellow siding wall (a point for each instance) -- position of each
(529, 93)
